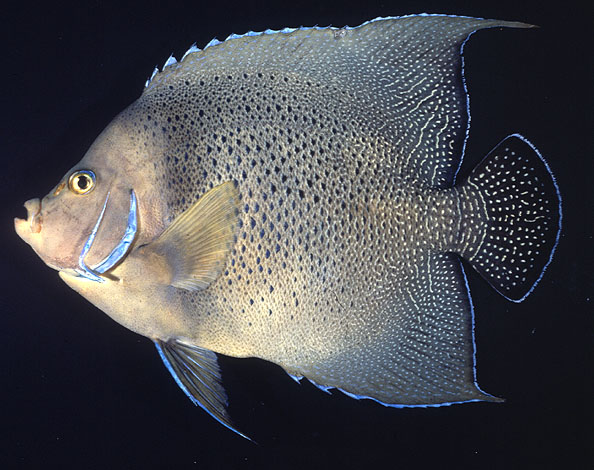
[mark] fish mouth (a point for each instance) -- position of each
(29, 229)
(93, 273)
(32, 224)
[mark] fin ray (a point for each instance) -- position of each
(522, 220)
(197, 243)
(196, 372)
(403, 76)
(388, 369)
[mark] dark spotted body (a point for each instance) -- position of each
(344, 145)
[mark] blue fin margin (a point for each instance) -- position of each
(216, 42)
(327, 389)
(196, 371)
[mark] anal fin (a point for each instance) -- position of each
(197, 373)
(422, 352)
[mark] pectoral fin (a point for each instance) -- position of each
(197, 373)
(195, 246)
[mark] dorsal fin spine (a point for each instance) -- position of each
(169, 62)
(287, 30)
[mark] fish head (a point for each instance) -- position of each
(90, 216)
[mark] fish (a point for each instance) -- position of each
(292, 195)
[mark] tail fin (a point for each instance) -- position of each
(521, 217)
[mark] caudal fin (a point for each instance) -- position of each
(521, 207)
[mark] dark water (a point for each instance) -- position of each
(79, 391)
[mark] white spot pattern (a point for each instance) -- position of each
(344, 144)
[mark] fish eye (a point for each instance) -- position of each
(82, 181)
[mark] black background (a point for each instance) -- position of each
(80, 391)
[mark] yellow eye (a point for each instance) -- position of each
(82, 181)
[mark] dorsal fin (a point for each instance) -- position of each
(401, 76)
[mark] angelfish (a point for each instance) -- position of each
(291, 195)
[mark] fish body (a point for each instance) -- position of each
(292, 196)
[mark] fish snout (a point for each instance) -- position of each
(32, 225)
